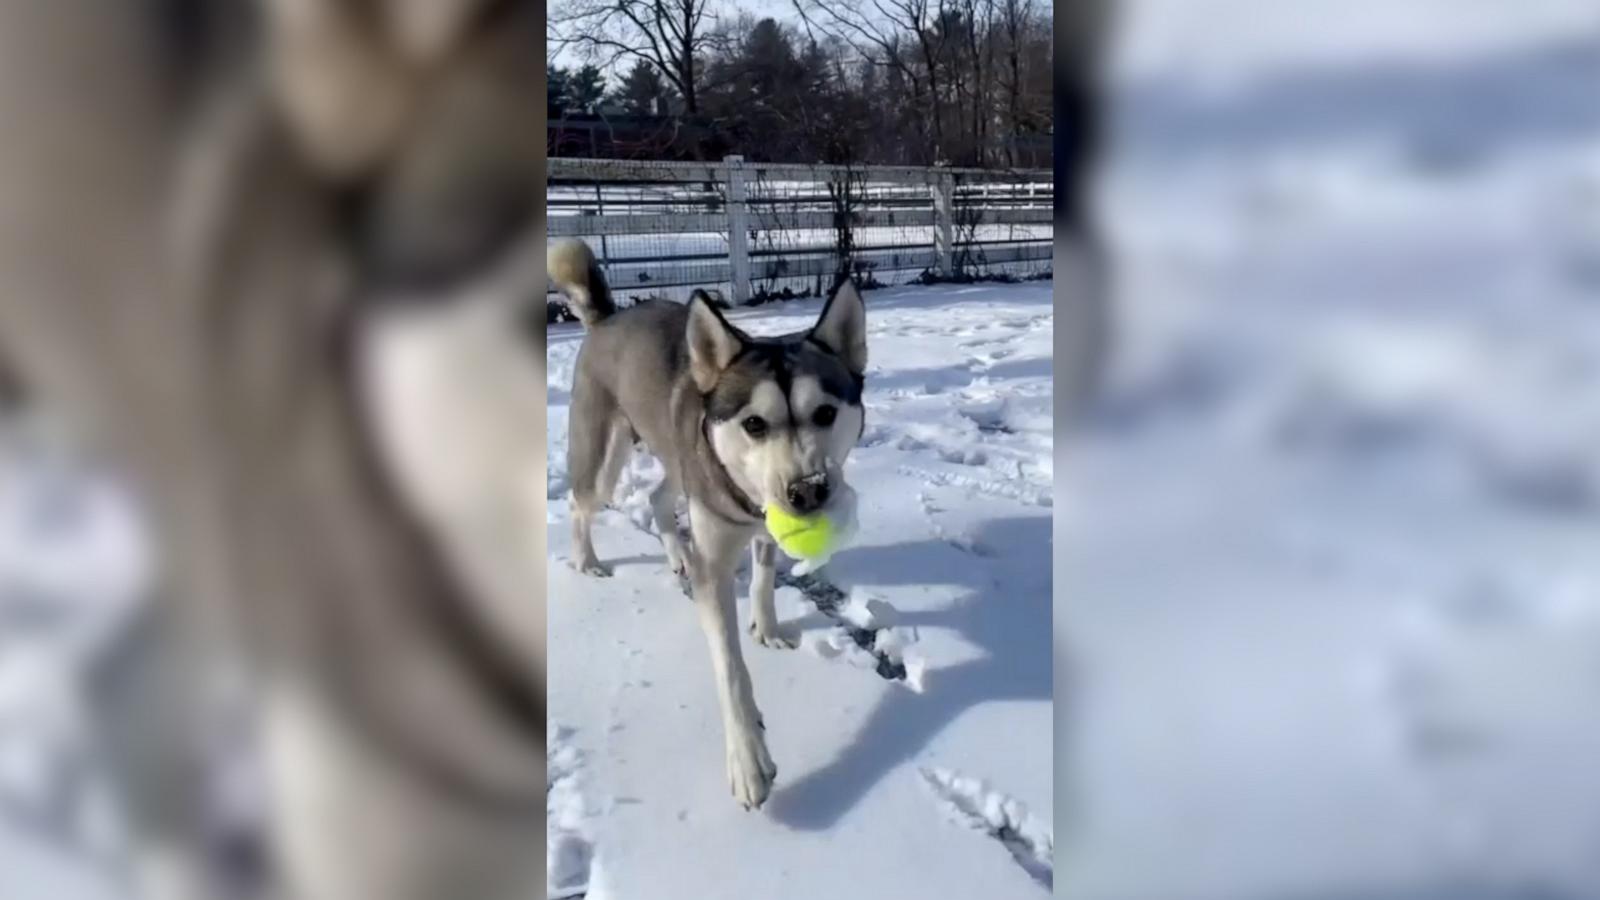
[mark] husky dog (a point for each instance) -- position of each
(740, 423)
(319, 380)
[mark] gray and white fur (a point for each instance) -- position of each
(281, 296)
(740, 423)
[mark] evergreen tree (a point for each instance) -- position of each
(643, 92)
(557, 83)
(585, 89)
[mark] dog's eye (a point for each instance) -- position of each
(755, 426)
(824, 416)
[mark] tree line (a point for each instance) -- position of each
(898, 82)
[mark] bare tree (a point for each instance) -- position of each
(962, 33)
(671, 35)
(1014, 16)
(980, 48)
(877, 29)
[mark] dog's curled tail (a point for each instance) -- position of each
(575, 273)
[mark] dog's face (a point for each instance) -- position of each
(783, 413)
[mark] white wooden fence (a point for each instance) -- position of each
(764, 229)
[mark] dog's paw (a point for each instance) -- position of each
(774, 636)
(750, 768)
(594, 567)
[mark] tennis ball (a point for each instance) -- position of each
(806, 537)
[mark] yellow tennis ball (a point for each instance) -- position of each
(801, 537)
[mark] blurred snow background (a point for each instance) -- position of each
(75, 568)
(1328, 552)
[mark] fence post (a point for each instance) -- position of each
(944, 229)
(600, 210)
(738, 230)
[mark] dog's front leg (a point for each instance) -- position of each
(714, 551)
(763, 608)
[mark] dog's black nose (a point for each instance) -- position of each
(808, 495)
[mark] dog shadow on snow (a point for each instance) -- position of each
(1009, 626)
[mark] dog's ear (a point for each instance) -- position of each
(713, 343)
(428, 30)
(842, 327)
(344, 92)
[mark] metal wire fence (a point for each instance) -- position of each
(759, 232)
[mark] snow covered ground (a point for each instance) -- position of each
(75, 564)
(919, 767)
(1327, 569)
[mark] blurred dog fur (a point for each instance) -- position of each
(276, 266)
